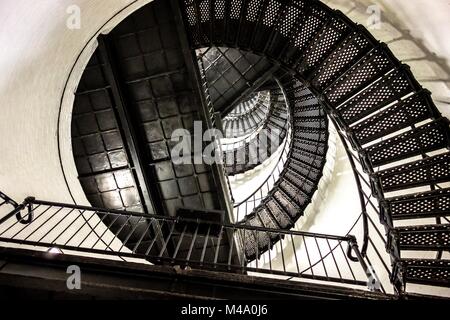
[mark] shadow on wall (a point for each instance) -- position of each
(416, 32)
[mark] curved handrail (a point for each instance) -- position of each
(360, 193)
(7, 200)
(233, 114)
(245, 138)
(282, 160)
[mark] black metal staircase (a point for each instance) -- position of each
(366, 91)
(246, 154)
(297, 183)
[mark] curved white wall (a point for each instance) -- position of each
(36, 57)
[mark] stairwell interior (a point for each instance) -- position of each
(334, 148)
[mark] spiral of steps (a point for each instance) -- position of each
(297, 183)
(391, 120)
(248, 154)
(247, 117)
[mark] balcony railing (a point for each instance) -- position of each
(80, 230)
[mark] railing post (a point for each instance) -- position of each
(373, 283)
(398, 277)
(360, 192)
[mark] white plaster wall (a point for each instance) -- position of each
(36, 59)
(41, 62)
(427, 20)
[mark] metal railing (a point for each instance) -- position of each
(7, 201)
(248, 106)
(79, 230)
(246, 206)
(373, 233)
(221, 174)
(239, 141)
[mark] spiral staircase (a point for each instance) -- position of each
(355, 78)
(255, 69)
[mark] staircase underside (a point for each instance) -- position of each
(365, 90)
(333, 65)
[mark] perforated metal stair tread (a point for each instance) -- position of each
(425, 271)
(419, 205)
(422, 238)
(431, 170)
(374, 65)
(390, 88)
(405, 113)
(429, 137)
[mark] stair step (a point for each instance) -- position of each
(305, 157)
(291, 23)
(268, 221)
(304, 151)
(390, 88)
(311, 134)
(374, 65)
(424, 172)
(334, 33)
(295, 89)
(314, 110)
(310, 123)
(429, 204)
(429, 137)
(302, 98)
(254, 240)
(317, 148)
(345, 56)
(304, 168)
(424, 271)
(422, 238)
(296, 195)
(299, 181)
(265, 218)
(291, 208)
(277, 212)
(313, 23)
(276, 124)
(405, 113)
(249, 27)
(272, 15)
(282, 118)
